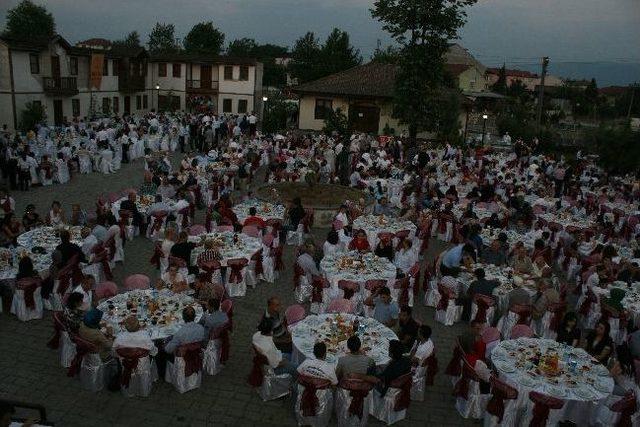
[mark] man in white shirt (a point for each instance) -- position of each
(307, 263)
(134, 337)
(318, 366)
(85, 288)
(88, 241)
(252, 124)
(423, 347)
(263, 342)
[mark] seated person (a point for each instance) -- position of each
(407, 328)
(384, 249)
(423, 346)
(360, 243)
(318, 367)
(385, 309)
(134, 337)
(173, 280)
(90, 331)
(213, 318)
(355, 361)
(254, 220)
(569, 334)
(599, 343)
(263, 342)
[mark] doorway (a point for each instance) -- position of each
(205, 77)
(58, 113)
(127, 105)
(364, 118)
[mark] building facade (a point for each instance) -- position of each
(94, 78)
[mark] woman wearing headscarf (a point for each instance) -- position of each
(90, 331)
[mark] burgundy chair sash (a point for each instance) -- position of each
(483, 303)
(431, 363)
(58, 327)
(82, 349)
(276, 253)
(523, 312)
(298, 272)
(404, 397)
(589, 300)
(129, 358)
(444, 298)
(29, 287)
(157, 255)
(626, 407)
(403, 286)
(318, 285)
(103, 258)
(257, 257)
(358, 391)
(454, 368)
(192, 355)
(256, 376)
(222, 333)
(556, 317)
(500, 392)
(236, 266)
(309, 400)
(542, 405)
(209, 268)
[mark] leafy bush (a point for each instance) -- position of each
(619, 149)
(336, 121)
(32, 115)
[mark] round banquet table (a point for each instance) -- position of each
(245, 247)
(142, 203)
(501, 275)
(356, 267)
(374, 224)
(567, 220)
(581, 389)
(160, 324)
(489, 234)
(375, 337)
(393, 187)
(265, 210)
(631, 301)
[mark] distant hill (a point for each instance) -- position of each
(605, 73)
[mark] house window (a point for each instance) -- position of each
(162, 69)
(34, 63)
(75, 107)
(226, 106)
(145, 102)
(115, 64)
(244, 73)
(175, 103)
(177, 70)
(242, 105)
(106, 105)
(228, 72)
(138, 102)
(162, 102)
(116, 104)
(322, 107)
(73, 66)
(105, 67)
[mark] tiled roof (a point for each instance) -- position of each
(95, 42)
(513, 73)
(369, 80)
(613, 90)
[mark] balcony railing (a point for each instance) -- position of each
(131, 83)
(60, 85)
(202, 86)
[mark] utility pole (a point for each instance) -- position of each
(633, 93)
(545, 64)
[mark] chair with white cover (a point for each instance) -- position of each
(156, 224)
(137, 281)
(94, 373)
(138, 371)
(353, 398)
(301, 285)
(255, 270)
(542, 410)
(293, 314)
(622, 412)
(216, 353)
(61, 341)
(212, 269)
(106, 161)
(340, 305)
(470, 402)
(314, 401)
(27, 302)
(501, 408)
(185, 372)
(401, 291)
(518, 314)
(447, 312)
(62, 285)
(392, 407)
(491, 338)
(236, 284)
(268, 385)
(483, 308)
(105, 290)
(431, 279)
(319, 294)
(85, 163)
(196, 230)
(251, 231)
(521, 331)
(423, 376)
(550, 323)
(370, 287)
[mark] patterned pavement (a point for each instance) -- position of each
(29, 371)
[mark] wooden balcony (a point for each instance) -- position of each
(60, 86)
(202, 86)
(131, 83)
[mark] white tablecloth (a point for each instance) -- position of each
(265, 210)
(374, 224)
(356, 267)
(375, 337)
(168, 319)
(143, 203)
(245, 247)
(581, 390)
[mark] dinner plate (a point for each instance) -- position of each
(556, 391)
(584, 393)
(601, 386)
(506, 367)
(601, 371)
(527, 381)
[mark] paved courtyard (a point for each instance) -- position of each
(29, 371)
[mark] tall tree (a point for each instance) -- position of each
(204, 38)
(162, 38)
(423, 29)
(338, 54)
(242, 48)
(500, 86)
(131, 40)
(305, 63)
(388, 55)
(28, 21)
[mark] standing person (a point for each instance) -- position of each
(253, 120)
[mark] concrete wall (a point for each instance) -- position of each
(307, 105)
(472, 80)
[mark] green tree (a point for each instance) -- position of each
(338, 54)
(242, 48)
(27, 21)
(162, 38)
(423, 29)
(32, 115)
(276, 113)
(204, 38)
(305, 55)
(336, 121)
(500, 86)
(388, 55)
(131, 40)
(611, 142)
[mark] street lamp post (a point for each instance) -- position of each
(158, 97)
(484, 126)
(264, 111)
